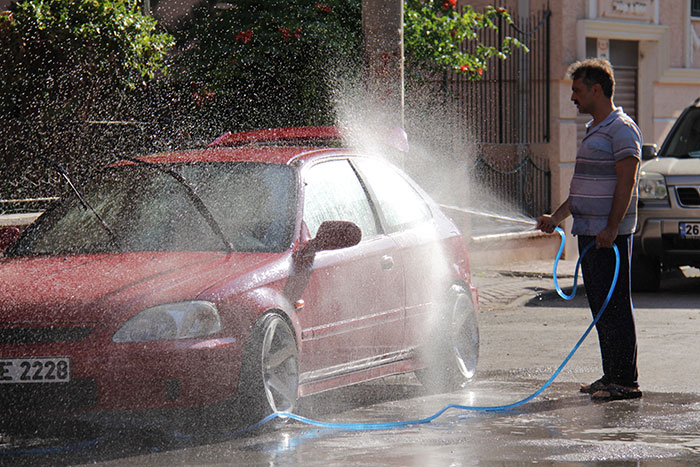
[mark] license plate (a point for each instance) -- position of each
(34, 370)
(689, 229)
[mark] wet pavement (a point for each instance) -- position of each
(525, 333)
(561, 427)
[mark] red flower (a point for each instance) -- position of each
(285, 33)
(450, 4)
(244, 36)
(501, 10)
(326, 8)
(467, 69)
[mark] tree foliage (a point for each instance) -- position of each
(268, 63)
(238, 64)
(441, 36)
(59, 57)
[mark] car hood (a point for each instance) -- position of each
(110, 288)
(672, 166)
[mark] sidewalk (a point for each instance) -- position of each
(507, 285)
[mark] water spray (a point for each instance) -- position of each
(497, 408)
(530, 222)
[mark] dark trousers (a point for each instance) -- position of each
(616, 328)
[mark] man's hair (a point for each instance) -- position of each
(594, 71)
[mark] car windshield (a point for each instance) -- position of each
(685, 141)
(149, 210)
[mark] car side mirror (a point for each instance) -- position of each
(8, 236)
(333, 235)
(648, 151)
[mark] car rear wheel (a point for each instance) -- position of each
(646, 273)
(270, 372)
(452, 355)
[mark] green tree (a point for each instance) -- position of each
(437, 31)
(62, 64)
(253, 63)
(63, 58)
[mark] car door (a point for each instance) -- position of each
(408, 220)
(353, 304)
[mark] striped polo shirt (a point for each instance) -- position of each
(593, 185)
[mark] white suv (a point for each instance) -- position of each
(668, 231)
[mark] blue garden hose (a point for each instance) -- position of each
(497, 408)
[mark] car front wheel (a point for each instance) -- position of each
(270, 372)
(452, 355)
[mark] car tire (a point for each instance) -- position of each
(452, 355)
(646, 273)
(270, 371)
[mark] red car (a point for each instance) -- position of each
(263, 268)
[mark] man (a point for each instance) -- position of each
(603, 202)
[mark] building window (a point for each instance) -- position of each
(695, 8)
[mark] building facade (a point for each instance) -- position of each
(654, 47)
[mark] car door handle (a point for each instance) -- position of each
(387, 262)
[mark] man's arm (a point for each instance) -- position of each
(547, 223)
(626, 178)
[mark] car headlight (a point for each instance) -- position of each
(171, 321)
(652, 186)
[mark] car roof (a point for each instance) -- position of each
(285, 155)
(310, 133)
(275, 146)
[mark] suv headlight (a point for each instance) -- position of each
(171, 321)
(652, 186)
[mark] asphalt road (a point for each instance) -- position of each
(522, 344)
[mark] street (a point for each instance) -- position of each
(522, 344)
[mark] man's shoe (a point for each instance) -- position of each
(615, 392)
(595, 386)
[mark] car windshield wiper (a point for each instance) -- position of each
(87, 206)
(194, 197)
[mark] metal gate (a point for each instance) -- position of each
(508, 111)
(510, 104)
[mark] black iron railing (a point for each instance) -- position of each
(522, 185)
(510, 104)
(508, 111)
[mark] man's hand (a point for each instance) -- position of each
(606, 237)
(546, 224)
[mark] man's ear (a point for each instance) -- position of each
(597, 89)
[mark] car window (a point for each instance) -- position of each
(401, 205)
(685, 141)
(333, 192)
(148, 210)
